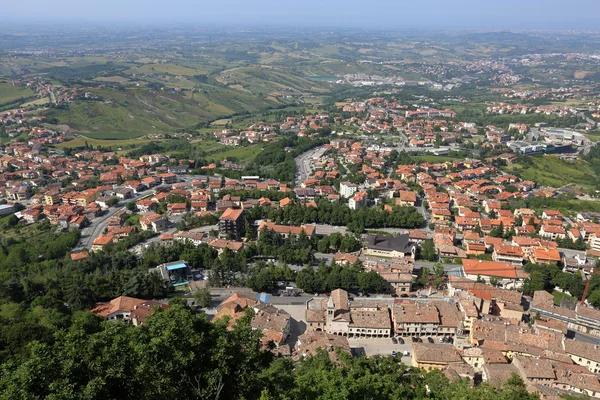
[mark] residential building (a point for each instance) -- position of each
(117, 309)
(232, 224)
(406, 198)
(153, 221)
(286, 230)
(222, 244)
(101, 241)
(196, 238)
(430, 356)
(348, 189)
(508, 254)
(508, 275)
(415, 319)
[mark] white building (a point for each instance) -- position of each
(347, 189)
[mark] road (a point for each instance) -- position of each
(52, 97)
(97, 226)
(586, 338)
(304, 164)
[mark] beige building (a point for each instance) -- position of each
(584, 354)
(370, 323)
(397, 282)
(412, 319)
(434, 356)
(336, 316)
(338, 313)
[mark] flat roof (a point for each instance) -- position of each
(176, 266)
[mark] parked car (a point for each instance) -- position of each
(400, 340)
(394, 340)
(394, 353)
(430, 340)
(406, 353)
(404, 295)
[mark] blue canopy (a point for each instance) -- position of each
(176, 266)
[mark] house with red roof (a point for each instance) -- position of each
(508, 275)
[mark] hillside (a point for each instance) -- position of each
(140, 111)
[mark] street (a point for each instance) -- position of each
(303, 164)
(97, 225)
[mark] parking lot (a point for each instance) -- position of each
(385, 346)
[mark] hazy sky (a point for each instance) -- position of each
(493, 14)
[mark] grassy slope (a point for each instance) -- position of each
(11, 94)
(135, 112)
(552, 171)
(80, 142)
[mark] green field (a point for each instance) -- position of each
(240, 153)
(555, 172)
(170, 69)
(558, 296)
(434, 159)
(11, 94)
(80, 142)
(38, 102)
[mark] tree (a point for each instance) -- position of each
(494, 280)
(438, 274)
(428, 251)
(13, 220)
(202, 297)
(131, 206)
(370, 282)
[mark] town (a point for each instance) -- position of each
(435, 219)
(441, 264)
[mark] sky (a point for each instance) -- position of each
(398, 14)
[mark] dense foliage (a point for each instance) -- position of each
(546, 277)
(181, 355)
(329, 277)
(277, 160)
(341, 215)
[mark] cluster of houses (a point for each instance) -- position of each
(476, 332)
(506, 108)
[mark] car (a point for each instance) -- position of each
(430, 340)
(406, 353)
(404, 295)
(415, 339)
(442, 339)
(400, 340)
(412, 296)
(394, 354)
(394, 340)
